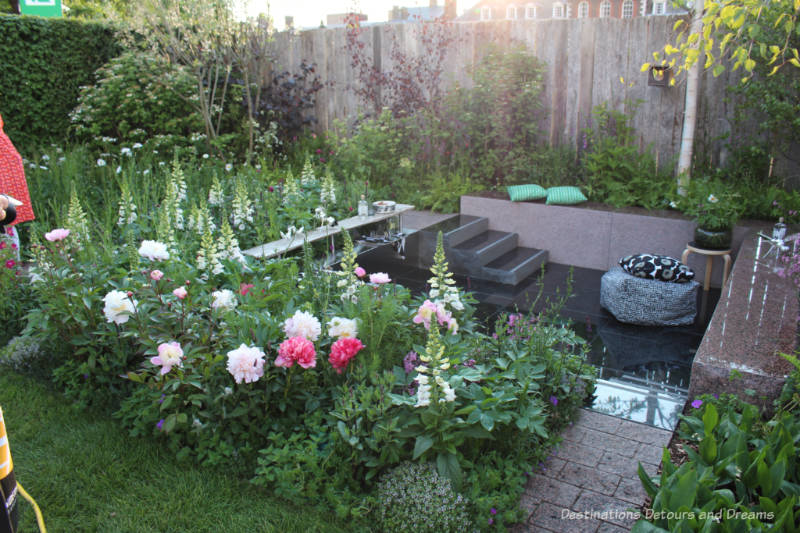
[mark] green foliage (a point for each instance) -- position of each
(138, 96)
(741, 473)
(46, 62)
(444, 192)
(496, 124)
(737, 34)
(413, 497)
(17, 298)
(713, 204)
(617, 173)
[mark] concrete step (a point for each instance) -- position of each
(458, 229)
(514, 266)
(482, 249)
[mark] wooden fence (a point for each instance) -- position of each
(588, 62)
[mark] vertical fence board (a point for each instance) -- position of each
(584, 61)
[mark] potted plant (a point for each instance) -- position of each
(715, 208)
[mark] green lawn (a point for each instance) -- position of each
(86, 474)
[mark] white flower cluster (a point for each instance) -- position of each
(290, 187)
(327, 193)
(324, 219)
(342, 328)
(436, 362)
(228, 244)
(118, 307)
(77, 223)
(208, 256)
(200, 220)
(127, 208)
(242, 210)
(302, 324)
(292, 231)
(154, 250)
(443, 290)
(223, 300)
(216, 195)
(424, 391)
(348, 280)
(307, 175)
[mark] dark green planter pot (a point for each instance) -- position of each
(712, 239)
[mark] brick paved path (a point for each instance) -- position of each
(593, 471)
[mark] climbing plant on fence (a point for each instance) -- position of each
(45, 62)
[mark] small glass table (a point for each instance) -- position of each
(691, 247)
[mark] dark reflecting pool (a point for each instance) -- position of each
(643, 370)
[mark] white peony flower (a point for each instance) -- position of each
(118, 307)
(302, 324)
(154, 250)
(246, 363)
(223, 300)
(342, 328)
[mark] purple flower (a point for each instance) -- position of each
(160, 424)
(469, 362)
(409, 362)
(716, 396)
(553, 400)
(161, 400)
(491, 521)
(493, 510)
(697, 403)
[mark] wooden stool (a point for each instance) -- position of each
(710, 254)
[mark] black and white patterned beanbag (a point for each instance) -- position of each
(660, 267)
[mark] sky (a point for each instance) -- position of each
(309, 13)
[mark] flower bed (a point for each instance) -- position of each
(315, 383)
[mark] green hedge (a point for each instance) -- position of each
(45, 61)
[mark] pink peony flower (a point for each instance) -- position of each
(58, 234)
(342, 351)
(244, 288)
(360, 272)
(246, 363)
(169, 354)
(180, 292)
(379, 278)
(11, 263)
(156, 275)
(296, 350)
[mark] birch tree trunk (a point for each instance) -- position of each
(690, 105)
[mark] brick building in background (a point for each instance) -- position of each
(566, 9)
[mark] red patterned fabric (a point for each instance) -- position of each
(12, 177)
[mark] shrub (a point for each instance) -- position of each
(138, 96)
(415, 498)
(22, 354)
(45, 62)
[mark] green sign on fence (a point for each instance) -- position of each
(42, 8)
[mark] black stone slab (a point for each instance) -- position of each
(512, 267)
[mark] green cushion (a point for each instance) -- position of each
(519, 193)
(565, 196)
